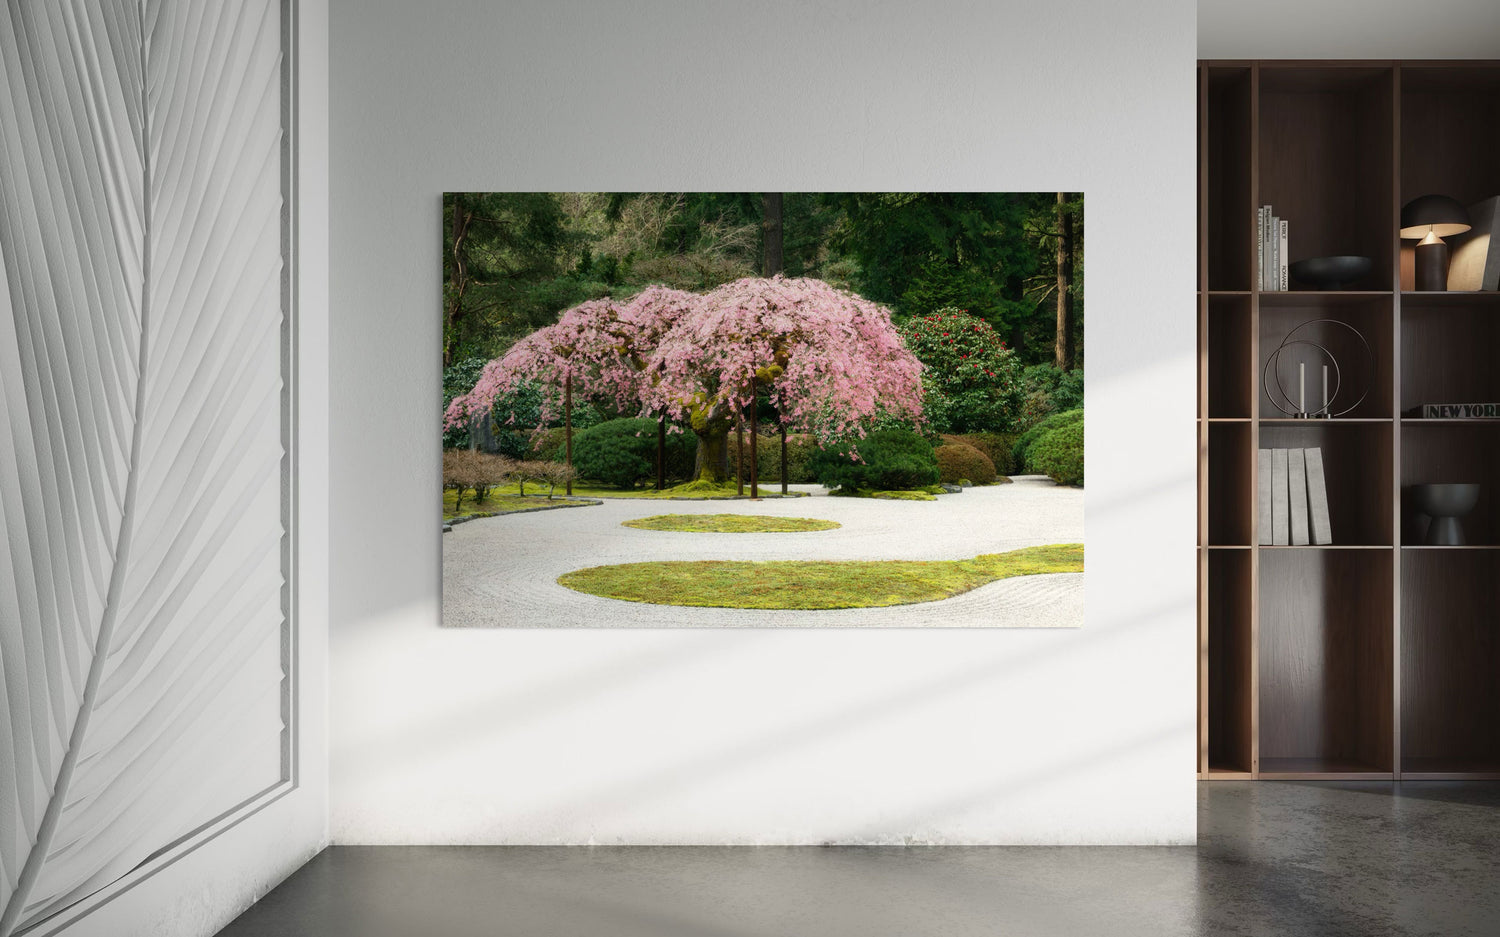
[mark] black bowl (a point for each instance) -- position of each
(1331, 273)
(1445, 500)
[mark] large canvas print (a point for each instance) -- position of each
(763, 409)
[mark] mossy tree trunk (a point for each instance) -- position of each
(712, 463)
(711, 425)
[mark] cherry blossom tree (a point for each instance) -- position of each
(599, 349)
(831, 361)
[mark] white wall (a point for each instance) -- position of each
(567, 736)
(208, 887)
(1345, 29)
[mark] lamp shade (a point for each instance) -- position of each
(1438, 214)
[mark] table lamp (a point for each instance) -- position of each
(1432, 218)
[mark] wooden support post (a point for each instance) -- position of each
(754, 439)
(783, 457)
(739, 450)
(661, 452)
(568, 425)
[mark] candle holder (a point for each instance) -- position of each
(1271, 380)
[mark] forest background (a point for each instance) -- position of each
(514, 261)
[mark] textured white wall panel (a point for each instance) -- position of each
(142, 617)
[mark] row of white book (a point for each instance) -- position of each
(1272, 257)
(1292, 501)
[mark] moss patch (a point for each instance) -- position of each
(730, 523)
(815, 584)
(695, 491)
(926, 493)
(505, 504)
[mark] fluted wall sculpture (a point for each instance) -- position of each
(142, 615)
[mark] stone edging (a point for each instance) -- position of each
(564, 502)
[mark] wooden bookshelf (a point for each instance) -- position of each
(1376, 657)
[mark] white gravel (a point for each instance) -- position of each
(501, 572)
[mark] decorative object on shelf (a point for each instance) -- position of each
(1270, 376)
(1476, 253)
(1331, 273)
(1432, 218)
(1445, 504)
(1292, 498)
(1460, 411)
(1271, 232)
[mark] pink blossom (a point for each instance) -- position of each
(830, 359)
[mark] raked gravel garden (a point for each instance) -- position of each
(503, 571)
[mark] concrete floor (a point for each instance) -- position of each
(1281, 858)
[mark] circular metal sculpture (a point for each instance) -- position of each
(1276, 391)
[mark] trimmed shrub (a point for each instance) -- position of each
(622, 452)
(1029, 438)
(960, 461)
(887, 460)
(799, 451)
(997, 446)
(618, 452)
(1059, 453)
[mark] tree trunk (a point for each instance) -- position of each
(774, 258)
(712, 461)
(712, 429)
(459, 250)
(1064, 347)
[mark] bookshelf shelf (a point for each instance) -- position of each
(1319, 299)
(1327, 546)
(1373, 657)
(1334, 421)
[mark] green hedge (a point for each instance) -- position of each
(1059, 453)
(799, 452)
(623, 452)
(1022, 448)
(958, 461)
(888, 460)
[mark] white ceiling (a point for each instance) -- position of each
(1380, 29)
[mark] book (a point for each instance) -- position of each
(1296, 484)
(1282, 260)
(1263, 497)
(1260, 247)
(1317, 497)
(1460, 411)
(1275, 254)
(1281, 517)
(1265, 281)
(1476, 252)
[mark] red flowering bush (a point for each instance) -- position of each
(972, 382)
